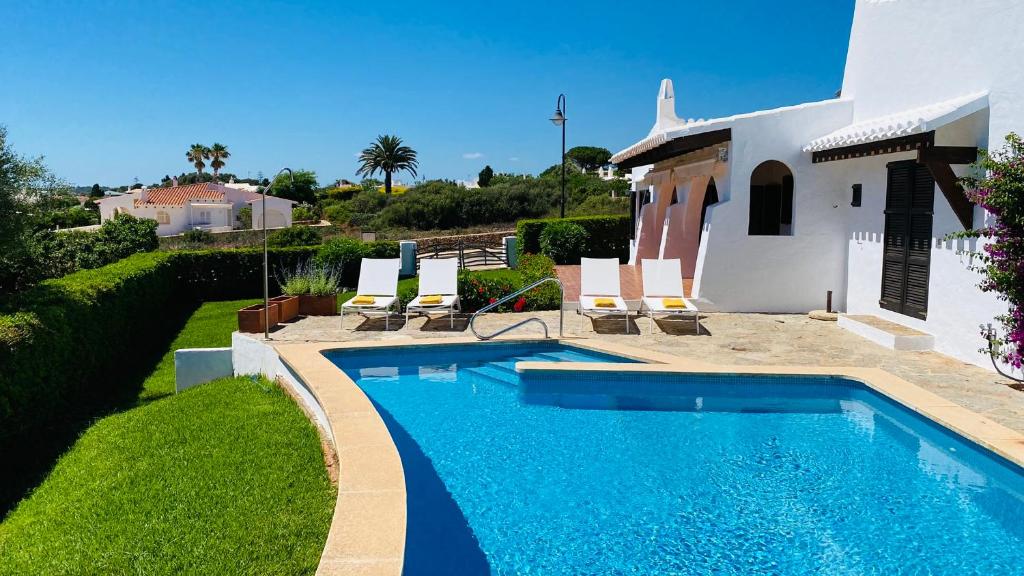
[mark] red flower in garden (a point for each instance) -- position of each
(519, 305)
(492, 300)
(480, 290)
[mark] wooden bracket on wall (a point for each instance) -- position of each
(939, 160)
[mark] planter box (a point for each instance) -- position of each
(288, 307)
(250, 319)
(318, 305)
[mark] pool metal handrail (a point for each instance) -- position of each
(495, 304)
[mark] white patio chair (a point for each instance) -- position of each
(663, 291)
(600, 290)
(377, 292)
(439, 289)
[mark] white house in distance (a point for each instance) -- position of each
(855, 195)
(207, 206)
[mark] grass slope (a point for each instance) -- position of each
(225, 478)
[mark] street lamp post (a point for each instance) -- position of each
(559, 120)
(266, 265)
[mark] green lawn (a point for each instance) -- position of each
(225, 478)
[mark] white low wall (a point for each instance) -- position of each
(251, 356)
(194, 366)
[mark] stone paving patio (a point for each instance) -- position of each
(766, 339)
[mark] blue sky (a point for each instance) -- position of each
(110, 91)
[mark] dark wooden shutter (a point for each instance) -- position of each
(906, 253)
(919, 249)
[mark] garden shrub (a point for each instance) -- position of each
(197, 236)
(998, 187)
(304, 212)
(337, 213)
(563, 241)
(294, 236)
(50, 254)
(607, 236)
(345, 255)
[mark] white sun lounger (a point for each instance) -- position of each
(378, 278)
(438, 277)
(599, 278)
(662, 279)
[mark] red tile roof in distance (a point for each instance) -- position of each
(180, 195)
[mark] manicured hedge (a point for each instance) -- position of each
(74, 338)
(345, 254)
(69, 343)
(607, 236)
(233, 274)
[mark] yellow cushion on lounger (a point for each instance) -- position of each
(361, 300)
(673, 303)
(604, 302)
(432, 299)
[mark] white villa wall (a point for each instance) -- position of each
(741, 273)
(956, 307)
(912, 53)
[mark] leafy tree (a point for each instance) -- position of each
(301, 187)
(125, 235)
(589, 158)
(370, 184)
(197, 155)
(96, 191)
(387, 155)
(294, 236)
(484, 178)
(218, 154)
(27, 191)
(245, 217)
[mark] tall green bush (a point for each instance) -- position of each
(294, 236)
(345, 254)
(564, 241)
(607, 236)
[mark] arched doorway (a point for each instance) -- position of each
(771, 200)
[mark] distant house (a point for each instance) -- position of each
(205, 206)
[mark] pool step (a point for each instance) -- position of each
(498, 373)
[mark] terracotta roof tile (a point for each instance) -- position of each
(179, 195)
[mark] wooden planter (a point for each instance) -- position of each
(250, 319)
(288, 307)
(318, 305)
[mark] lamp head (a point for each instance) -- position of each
(558, 119)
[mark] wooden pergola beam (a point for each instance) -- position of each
(939, 160)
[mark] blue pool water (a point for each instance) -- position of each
(645, 474)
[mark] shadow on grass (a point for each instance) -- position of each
(29, 458)
(438, 539)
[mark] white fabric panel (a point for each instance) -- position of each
(439, 276)
(662, 278)
(599, 277)
(378, 276)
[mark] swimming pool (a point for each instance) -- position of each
(623, 473)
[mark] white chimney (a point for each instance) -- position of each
(666, 118)
(174, 181)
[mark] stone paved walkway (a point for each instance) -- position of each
(766, 339)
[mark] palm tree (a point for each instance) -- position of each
(387, 155)
(196, 154)
(218, 154)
